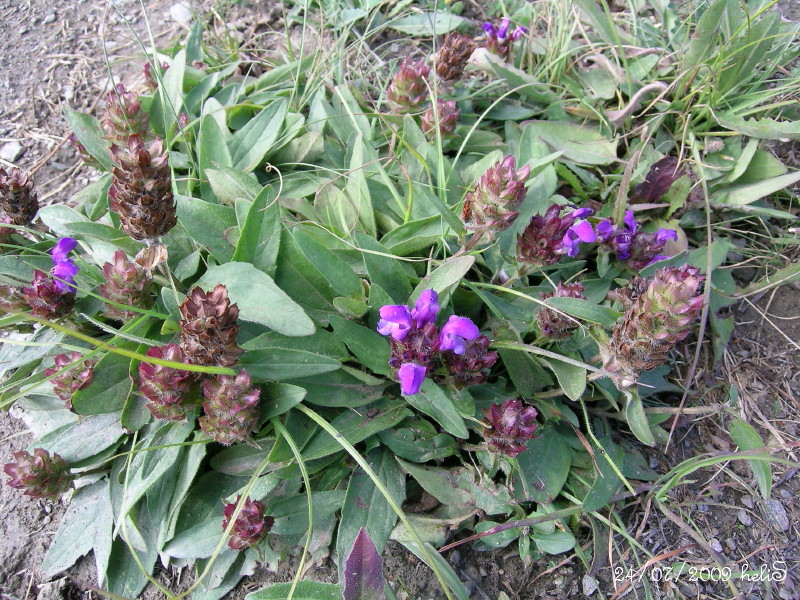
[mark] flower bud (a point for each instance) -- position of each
(472, 366)
(66, 383)
(550, 236)
(40, 475)
(208, 327)
(447, 119)
(250, 527)
(509, 426)
(123, 115)
(125, 283)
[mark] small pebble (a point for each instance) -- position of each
(589, 585)
(715, 545)
(748, 501)
(777, 514)
(11, 151)
(50, 18)
(744, 518)
(23, 30)
(181, 12)
(730, 544)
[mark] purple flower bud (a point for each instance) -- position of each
(488, 28)
(64, 270)
(604, 230)
(455, 332)
(663, 234)
(630, 222)
(411, 377)
(519, 32)
(509, 426)
(426, 309)
(580, 213)
(548, 237)
(395, 321)
(498, 40)
(502, 31)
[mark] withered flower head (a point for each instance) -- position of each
(141, 189)
(167, 389)
(453, 55)
(18, 199)
(208, 327)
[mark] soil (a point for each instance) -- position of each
(51, 55)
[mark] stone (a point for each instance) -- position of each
(777, 514)
(11, 151)
(715, 545)
(181, 12)
(49, 18)
(744, 518)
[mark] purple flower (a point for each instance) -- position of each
(498, 39)
(395, 321)
(64, 270)
(411, 377)
(634, 247)
(581, 231)
(662, 235)
(426, 309)
(455, 332)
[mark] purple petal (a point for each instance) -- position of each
(411, 377)
(502, 31)
(583, 229)
(581, 213)
(426, 309)
(455, 331)
(657, 258)
(488, 28)
(395, 321)
(630, 221)
(664, 234)
(604, 229)
(519, 32)
(65, 270)
(62, 248)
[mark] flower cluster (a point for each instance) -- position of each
(659, 314)
(408, 89)
(231, 407)
(445, 117)
(550, 236)
(208, 327)
(165, 388)
(491, 206)
(125, 283)
(52, 296)
(67, 382)
(250, 527)
(509, 426)
(18, 200)
(123, 115)
(452, 57)
(499, 39)
(632, 246)
(419, 347)
(39, 474)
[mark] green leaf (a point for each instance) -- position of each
(544, 466)
(434, 402)
(637, 419)
(242, 459)
(414, 236)
(280, 364)
(556, 542)
(229, 184)
(197, 542)
(365, 505)
(278, 398)
(291, 514)
(585, 310)
(571, 378)
(764, 128)
(444, 279)
(305, 590)
(90, 134)
(84, 439)
(428, 23)
(367, 345)
(579, 143)
(260, 237)
(338, 274)
(87, 524)
(207, 224)
(252, 143)
(606, 482)
(212, 150)
(460, 489)
(383, 269)
(746, 437)
(110, 389)
(341, 388)
(259, 299)
(418, 441)
(748, 193)
(525, 84)
(357, 426)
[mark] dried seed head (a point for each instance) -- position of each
(452, 57)
(509, 426)
(141, 190)
(208, 327)
(18, 199)
(556, 325)
(39, 474)
(66, 383)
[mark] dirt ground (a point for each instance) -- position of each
(51, 54)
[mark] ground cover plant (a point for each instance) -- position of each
(306, 292)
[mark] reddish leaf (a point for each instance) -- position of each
(363, 578)
(661, 176)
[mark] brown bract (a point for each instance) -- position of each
(18, 199)
(452, 57)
